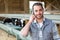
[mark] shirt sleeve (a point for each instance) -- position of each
(55, 32)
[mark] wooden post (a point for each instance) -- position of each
(6, 6)
(26, 6)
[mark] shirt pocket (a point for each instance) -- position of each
(47, 35)
(34, 33)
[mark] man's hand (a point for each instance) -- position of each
(32, 17)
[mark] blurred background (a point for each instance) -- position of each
(14, 14)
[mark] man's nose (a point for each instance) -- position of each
(39, 12)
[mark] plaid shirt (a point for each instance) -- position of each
(49, 31)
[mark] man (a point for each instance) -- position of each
(40, 27)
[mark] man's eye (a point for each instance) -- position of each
(40, 10)
(35, 10)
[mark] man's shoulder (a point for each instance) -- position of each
(49, 20)
(46, 19)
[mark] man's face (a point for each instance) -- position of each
(38, 11)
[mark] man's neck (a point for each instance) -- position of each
(39, 20)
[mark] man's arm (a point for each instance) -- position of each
(25, 29)
(55, 33)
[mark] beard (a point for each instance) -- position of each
(39, 16)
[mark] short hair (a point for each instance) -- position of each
(38, 4)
